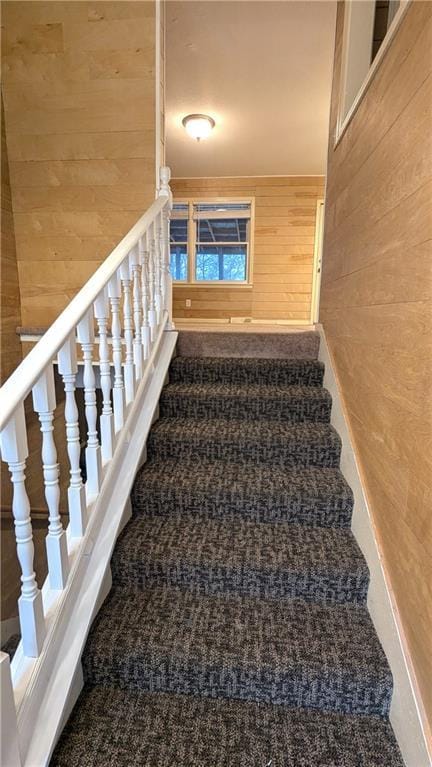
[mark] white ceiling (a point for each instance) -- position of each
(262, 69)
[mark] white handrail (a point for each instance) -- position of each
(22, 380)
(99, 299)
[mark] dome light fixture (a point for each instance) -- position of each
(198, 126)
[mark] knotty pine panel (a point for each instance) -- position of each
(79, 86)
(376, 309)
(285, 212)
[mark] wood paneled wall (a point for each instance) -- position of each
(376, 310)
(10, 312)
(285, 212)
(79, 86)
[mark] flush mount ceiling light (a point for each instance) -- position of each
(198, 126)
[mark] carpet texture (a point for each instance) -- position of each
(236, 631)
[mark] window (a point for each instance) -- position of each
(211, 241)
(369, 26)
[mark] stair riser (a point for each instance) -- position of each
(334, 513)
(324, 587)
(283, 455)
(296, 687)
(195, 371)
(289, 410)
(294, 346)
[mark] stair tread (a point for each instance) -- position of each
(240, 391)
(246, 370)
(249, 401)
(314, 496)
(238, 555)
(292, 653)
(184, 428)
(110, 727)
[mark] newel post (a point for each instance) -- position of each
(167, 286)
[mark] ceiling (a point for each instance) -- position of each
(262, 69)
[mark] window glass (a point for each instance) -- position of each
(222, 230)
(221, 262)
(209, 241)
(179, 262)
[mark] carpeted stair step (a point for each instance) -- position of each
(246, 371)
(115, 728)
(219, 556)
(258, 442)
(252, 343)
(295, 404)
(260, 493)
(289, 653)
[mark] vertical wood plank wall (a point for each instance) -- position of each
(79, 87)
(376, 310)
(10, 313)
(285, 212)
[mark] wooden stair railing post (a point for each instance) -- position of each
(114, 293)
(143, 255)
(152, 315)
(157, 269)
(129, 373)
(135, 267)
(167, 292)
(14, 450)
(67, 364)
(101, 312)
(85, 334)
(44, 404)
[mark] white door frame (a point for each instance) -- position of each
(317, 264)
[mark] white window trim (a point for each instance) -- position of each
(343, 122)
(221, 284)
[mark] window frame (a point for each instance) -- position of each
(344, 119)
(191, 280)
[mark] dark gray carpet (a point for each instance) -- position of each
(111, 727)
(236, 631)
(293, 404)
(217, 556)
(307, 496)
(259, 442)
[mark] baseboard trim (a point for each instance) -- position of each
(406, 709)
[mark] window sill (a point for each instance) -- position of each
(224, 284)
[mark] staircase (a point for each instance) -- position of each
(236, 632)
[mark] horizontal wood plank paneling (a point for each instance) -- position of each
(377, 312)
(79, 86)
(285, 211)
(10, 311)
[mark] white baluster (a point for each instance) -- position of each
(101, 311)
(85, 333)
(114, 293)
(165, 191)
(145, 294)
(152, 315)
(157, 271)
(129, 374)
(14, 451)
(67, 364)
(44, 403)
(135, 268)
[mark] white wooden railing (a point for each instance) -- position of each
(126, 307)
